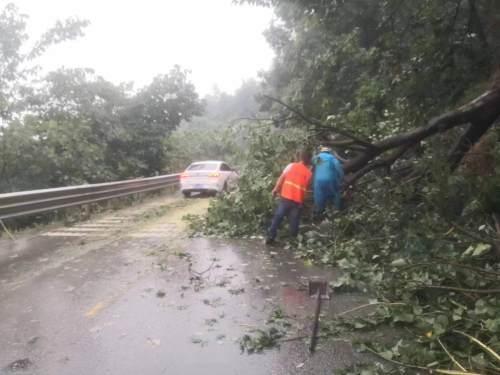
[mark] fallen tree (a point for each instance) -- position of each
(478, 116)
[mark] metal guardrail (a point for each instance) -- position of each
(37, 201)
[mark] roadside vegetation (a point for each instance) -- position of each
(71, 126)
(407, 92)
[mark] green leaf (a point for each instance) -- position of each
(481, 249)
(398, 262)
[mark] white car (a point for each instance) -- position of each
(207, 177)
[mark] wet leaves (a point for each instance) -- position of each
(33, 340)
(199, 341)
(182, 254)
(223, 283)
(160, 294)
(260, 340)
(211, 322)
(153, 342)
(20, 364)
(236, 291)
(214, 302)
(267, 337)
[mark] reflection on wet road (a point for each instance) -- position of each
(137, 296)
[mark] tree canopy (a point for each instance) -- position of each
(72, 126)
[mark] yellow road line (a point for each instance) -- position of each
(95, 310)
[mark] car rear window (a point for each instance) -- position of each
(203, 167)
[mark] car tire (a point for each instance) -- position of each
(186, 194)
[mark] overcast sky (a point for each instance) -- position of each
(134, 40)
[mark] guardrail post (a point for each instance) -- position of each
(7, 231)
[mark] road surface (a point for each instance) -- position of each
(128, 292)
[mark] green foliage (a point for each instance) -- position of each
(429, 267)
(246, 210)
(223, 110)
(16, 62)
(426, 249)
(185, 146)
(74, 127)
(380, 66)
(218, 134)
(260, 339)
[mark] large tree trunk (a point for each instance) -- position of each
(481, 114)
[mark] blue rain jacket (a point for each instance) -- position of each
(328, 174)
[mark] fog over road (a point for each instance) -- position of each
(128, 292)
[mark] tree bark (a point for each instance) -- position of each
(480, 114)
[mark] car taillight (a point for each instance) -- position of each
(213, 175)
(184, 175)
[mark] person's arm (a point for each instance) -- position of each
(339, 157)
(279, 184)
(281, 180)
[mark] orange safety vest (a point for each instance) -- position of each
(297, 179)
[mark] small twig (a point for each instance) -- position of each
(371, 304)
(479, 270)
(442, 261)
(315, 122)
(397, 363)
(261, 119)
(451, 356)
(208, 269)
(463, 290)
(7, 231)
(426, 369)
(471, 235)
(482, 345)
(298, 338)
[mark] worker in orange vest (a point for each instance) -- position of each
(292, 187)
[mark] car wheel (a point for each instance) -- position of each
(186, 194)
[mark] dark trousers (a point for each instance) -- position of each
(290, 209)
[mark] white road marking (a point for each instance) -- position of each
(78, 229)
(63, 234)
(98, 225)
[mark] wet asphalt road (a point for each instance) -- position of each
(129, 293)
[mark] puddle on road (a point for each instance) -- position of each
(189, 315)
(235, 286)
(273, 275)
(173, 305)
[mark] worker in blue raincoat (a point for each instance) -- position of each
(327, 181)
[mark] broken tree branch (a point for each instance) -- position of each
(318, 123)
(381, 163)
(481, 114)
